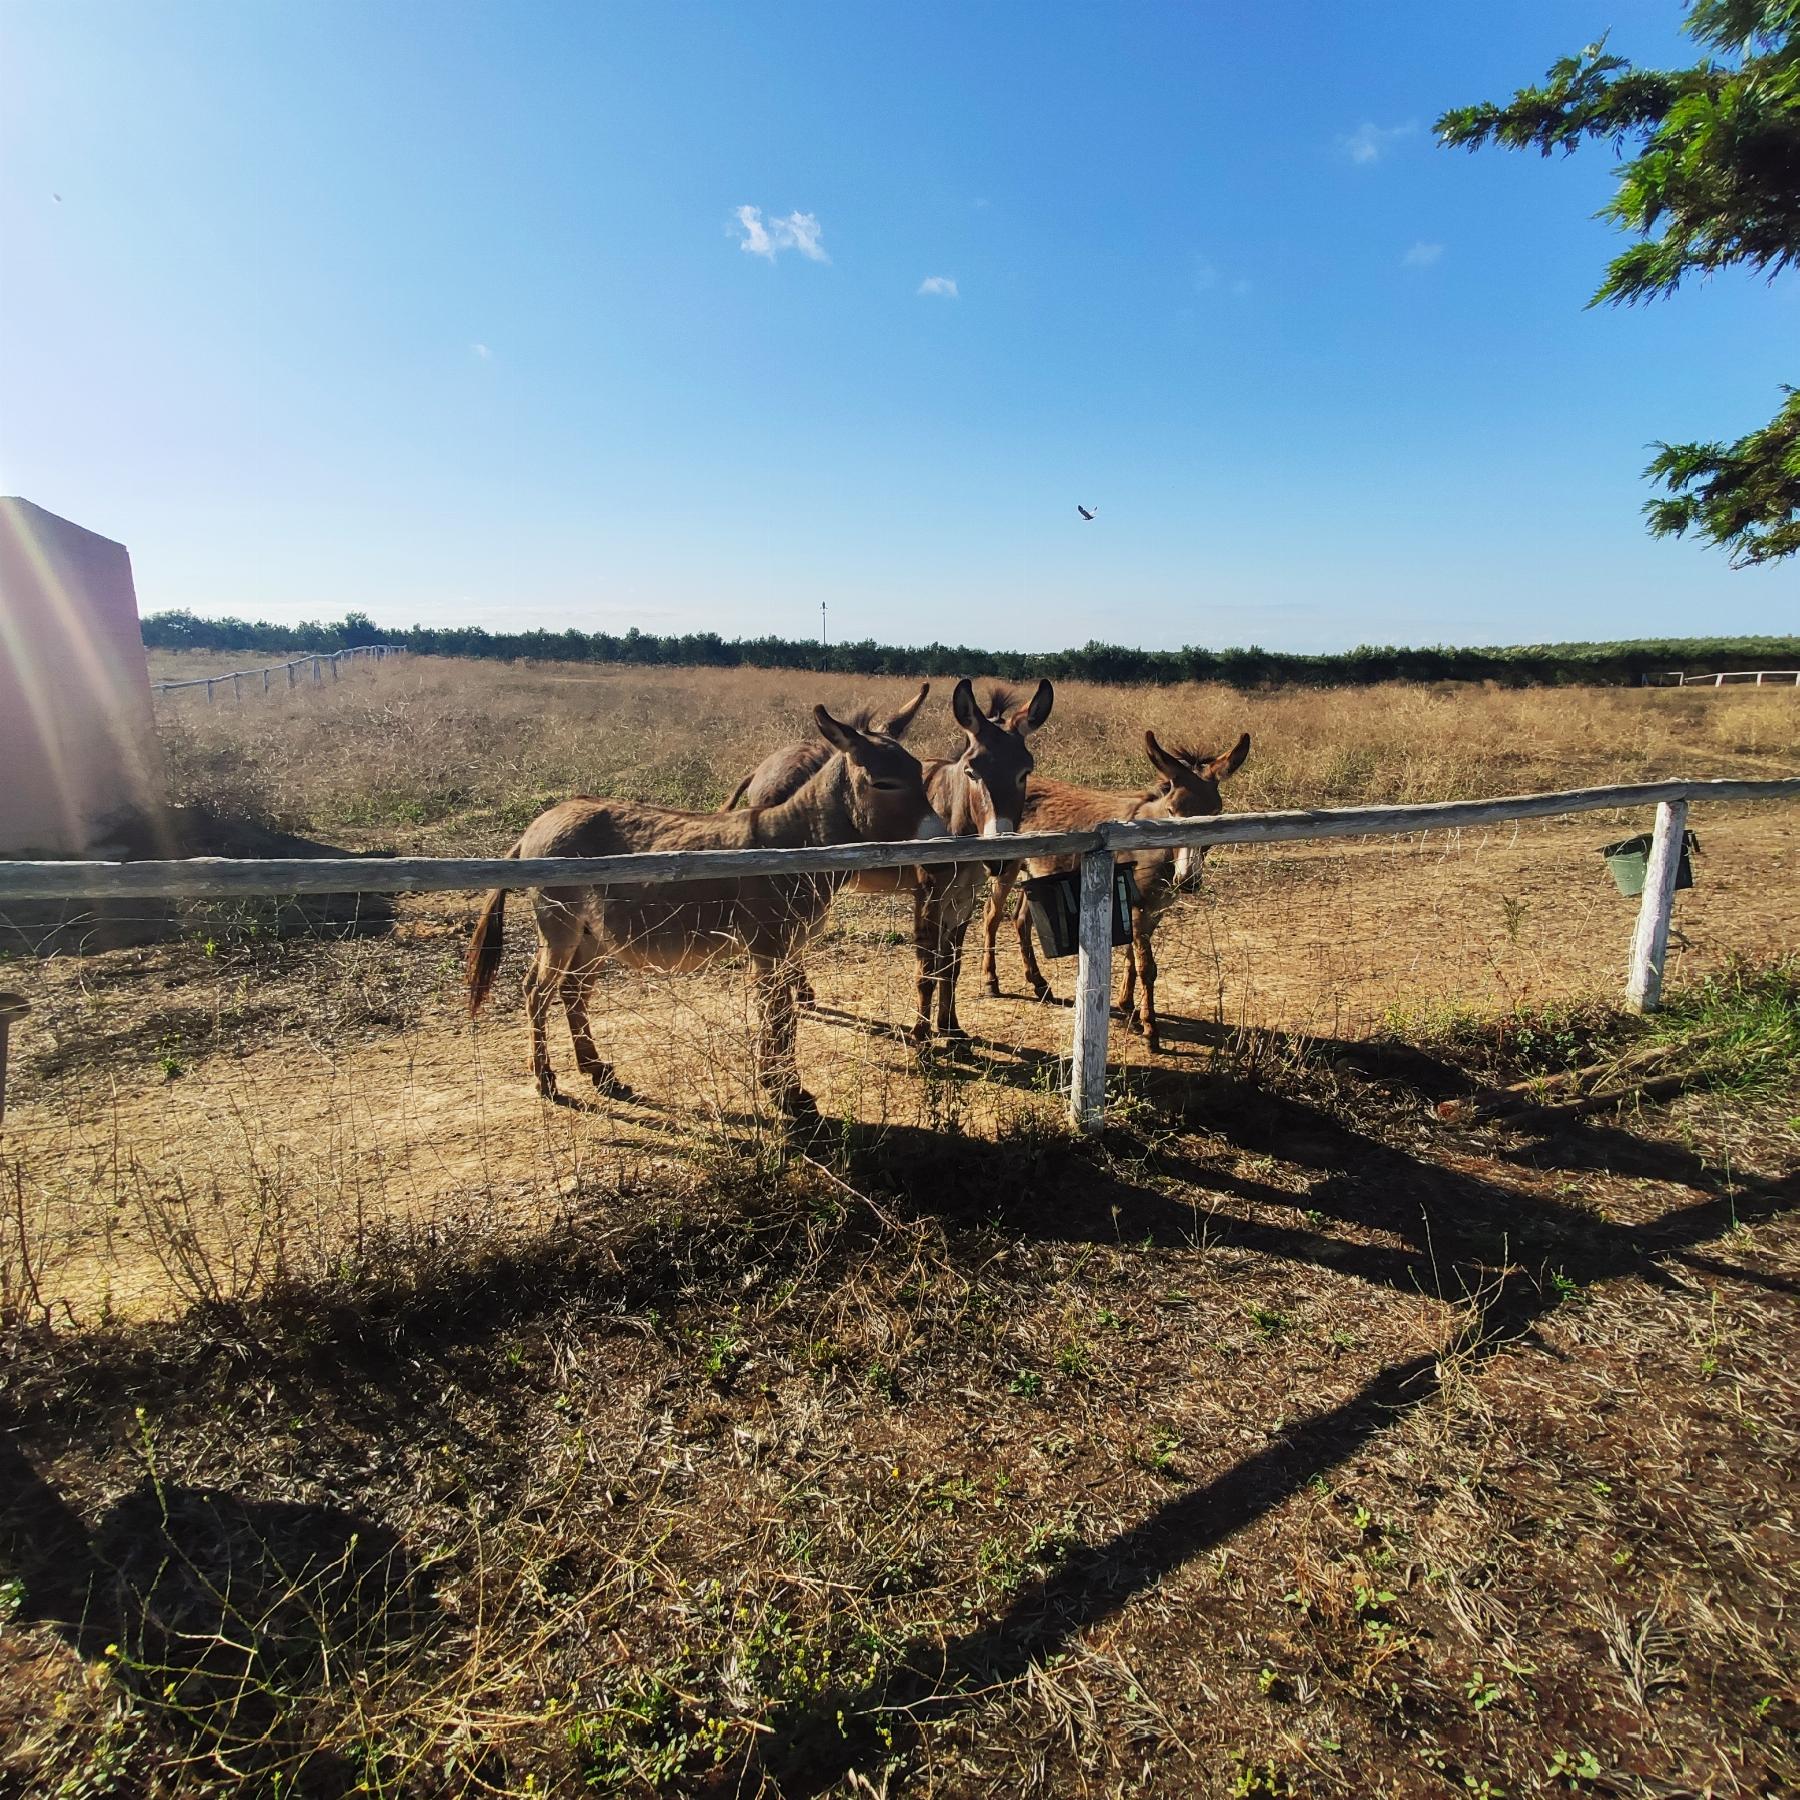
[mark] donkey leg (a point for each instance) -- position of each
(1127, 1000)
(1040, 988)
(990, 925)
(577, 985)
(928, 929)
(540, 984)
(1146, 961)
(949, 1025)
(777, 1067)
(803, 988)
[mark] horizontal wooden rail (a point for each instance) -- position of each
(210, 877)
(220, 877)
(1446, 815)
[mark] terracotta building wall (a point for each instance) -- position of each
(78, 751)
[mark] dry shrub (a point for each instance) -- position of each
(432, 754)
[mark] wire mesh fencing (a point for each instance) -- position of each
(208, 1098)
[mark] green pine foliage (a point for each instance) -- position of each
(1713, 183)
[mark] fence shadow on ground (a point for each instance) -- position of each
(1501, 1257)
(1504, 1259)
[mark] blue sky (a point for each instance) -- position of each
(445, 312)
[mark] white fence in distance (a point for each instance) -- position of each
(225, 878)
(1726, 678)
(316, 661)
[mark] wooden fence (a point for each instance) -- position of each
(1728, 677)
(324, 659)
(223, 878)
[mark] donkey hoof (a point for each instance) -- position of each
(1044, 995)
(952, 1035)
(806, 999)
(546, 1084)
(993, 988)
(608, 1085)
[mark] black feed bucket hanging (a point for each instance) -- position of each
(1628, 862)
(1055, 905)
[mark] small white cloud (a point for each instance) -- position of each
(1422, 255)
(941, 285)
(482, 351)
(756, 239)
(798, 231)
(1370, 143)
(980, 203)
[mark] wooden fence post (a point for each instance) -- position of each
(265, 681)
(1093, 993)
(290, 670)
(209, 693)
(1650, 942)
(237, 687)
(12, 1006)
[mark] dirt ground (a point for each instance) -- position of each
(373, 1425)
(221, 1072)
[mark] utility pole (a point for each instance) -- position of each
(821, 624)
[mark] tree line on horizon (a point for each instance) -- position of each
(1517, 665)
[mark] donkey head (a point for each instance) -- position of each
(1190, 790)
(886, 787)
(997, 759)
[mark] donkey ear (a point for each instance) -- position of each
(840, 736)
(963, 708)
(1171, 768)
(896, 726)
(1228, 764)
(1030, 717)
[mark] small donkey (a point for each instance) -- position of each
(866, 790)
(1189, 789)
(980, 793)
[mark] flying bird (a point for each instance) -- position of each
(1084, 511)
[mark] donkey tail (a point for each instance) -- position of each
(484, 947)
(738, 793)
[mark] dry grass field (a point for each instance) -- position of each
(374, 1427)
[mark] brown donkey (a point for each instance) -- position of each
(980, 793)
(1189, 789)
(867, 790)
(780, 773)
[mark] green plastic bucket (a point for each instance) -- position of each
(1629, 860)
(1054, 902)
